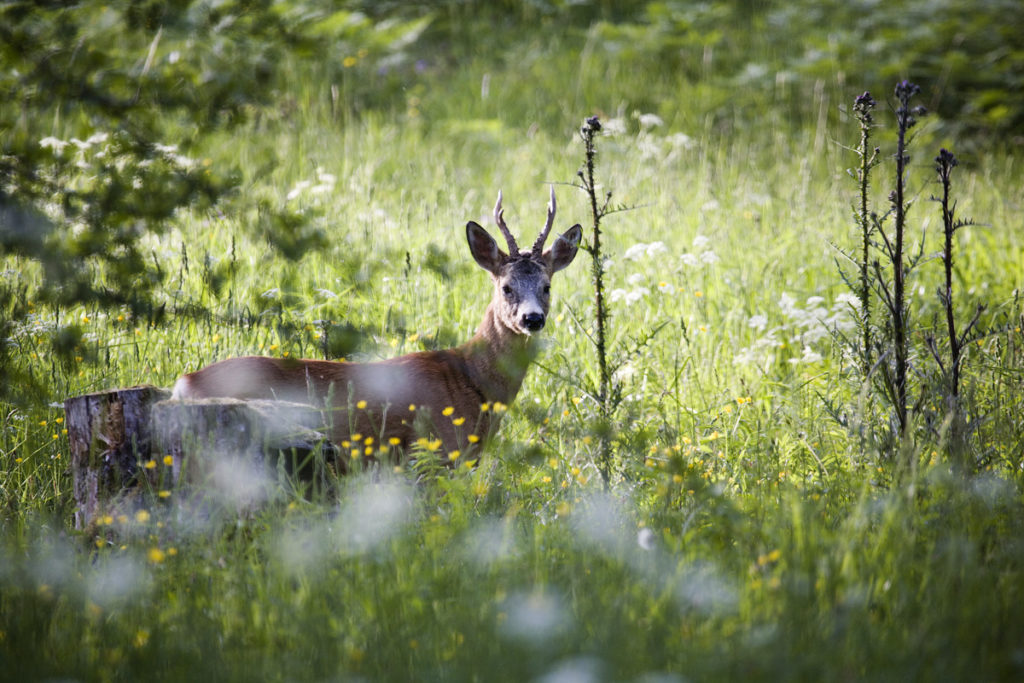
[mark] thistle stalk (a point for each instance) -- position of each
(862, 108)
(589, 131)
(905, 120)
(944, 164)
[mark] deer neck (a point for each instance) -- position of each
(498, 358)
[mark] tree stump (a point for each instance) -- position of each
(228, 441)
(109, 434)
(233, 447)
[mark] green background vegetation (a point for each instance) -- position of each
(184, 182)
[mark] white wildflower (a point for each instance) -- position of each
(758, 322)
(809, 356)
(747, 356)
(844, 300)
(700, 241)
(635, 252)
(641, 249)
(298, 189)
(680, 141)
(788, 305)
(53, 143)
(614, 127)
(648, 148)
(636, 295)
(655, 248)
(709, 257)
(650, 121)
(689, 259)
(625, 373)
(635, 279)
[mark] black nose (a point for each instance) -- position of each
(533, 321)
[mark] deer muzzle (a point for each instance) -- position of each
(534, 322)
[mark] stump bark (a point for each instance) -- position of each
(231, 445)
(109, 435)
(198, 433)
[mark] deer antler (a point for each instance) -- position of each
(499, 218)
(538, 246)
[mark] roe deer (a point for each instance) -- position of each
(454, 394)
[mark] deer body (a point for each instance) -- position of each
(451, 394)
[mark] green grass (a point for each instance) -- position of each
(747, 534)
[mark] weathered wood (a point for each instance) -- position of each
(109, 435)
(196, 433)
(226, 443)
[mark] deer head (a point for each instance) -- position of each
(522, 279)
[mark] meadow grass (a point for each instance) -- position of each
(751, 529)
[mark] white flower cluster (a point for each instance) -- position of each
(81, 167)
(323, 184)
(701, 253)
(649, 142)
(658, 253)
(97, 147)
(803, 327)
(635, 294)
(641, 250)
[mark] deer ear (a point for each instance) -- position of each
(484, 249)
(563, 251)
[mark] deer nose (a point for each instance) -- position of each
(533, 321)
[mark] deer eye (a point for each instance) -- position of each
(507, 290)
(547, 289)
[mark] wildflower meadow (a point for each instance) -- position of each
(775, 430)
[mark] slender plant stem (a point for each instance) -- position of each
(597, 260)
(944, 165)
(905, 120)
(590, 129)
(862, 109)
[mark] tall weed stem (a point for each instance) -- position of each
(944, 165)
(866, 220)
(590, 129)
(895, 292)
